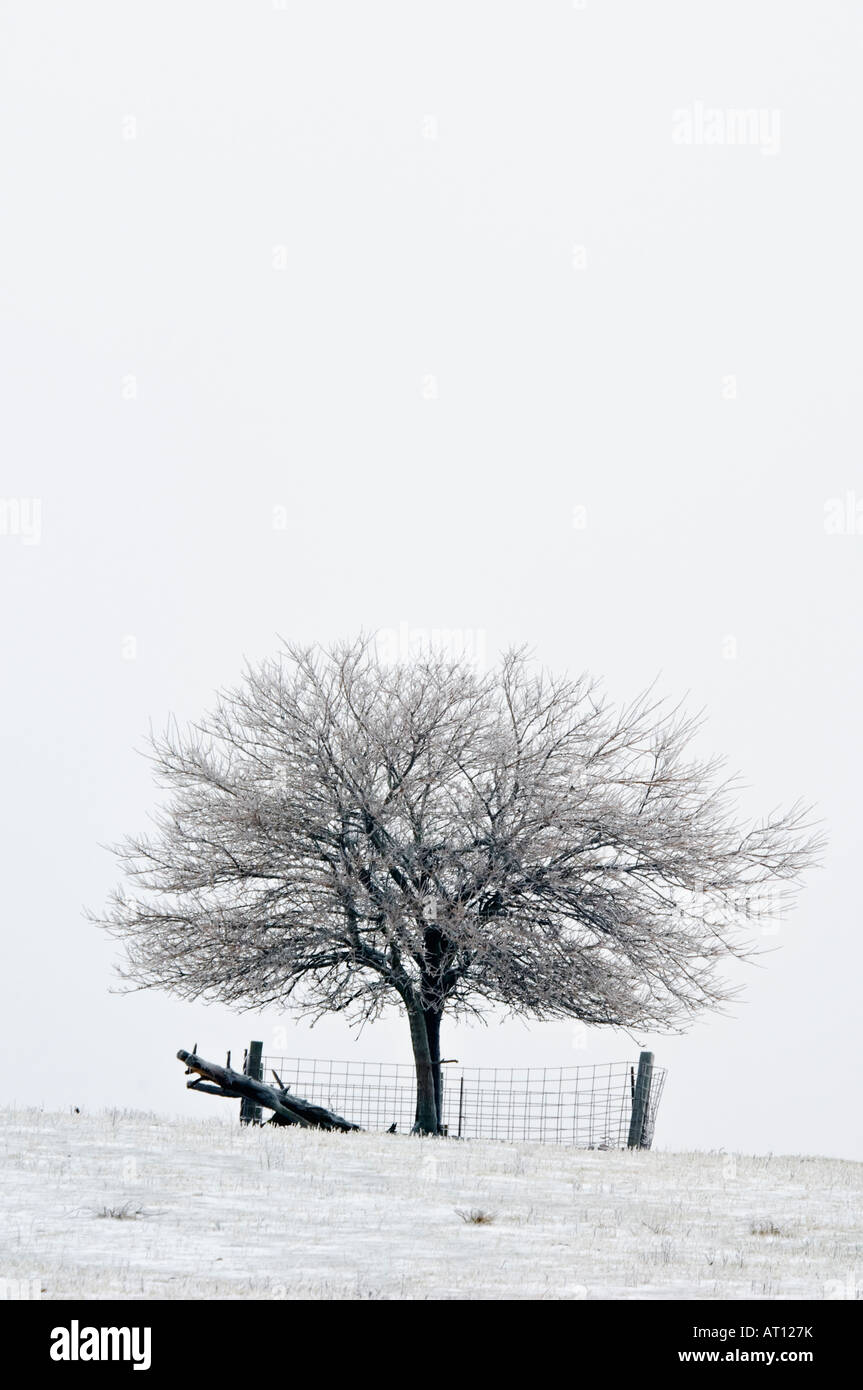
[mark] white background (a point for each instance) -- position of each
(325, 258)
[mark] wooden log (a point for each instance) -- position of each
(200, 1085)
(246, 1086)
(316, 1115)
(289, 1108)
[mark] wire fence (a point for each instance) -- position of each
(590, 1107)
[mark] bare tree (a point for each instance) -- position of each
(346, 835)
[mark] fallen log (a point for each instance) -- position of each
(287, 1109)
(200, 1085)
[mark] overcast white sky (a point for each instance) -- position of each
(477, 317)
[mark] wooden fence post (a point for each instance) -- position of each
(252, 1066)
(641, 1101)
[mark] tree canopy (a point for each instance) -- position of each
(343, 834)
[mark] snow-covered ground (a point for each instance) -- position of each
(130, 1205)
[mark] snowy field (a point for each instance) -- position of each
(130, 1205)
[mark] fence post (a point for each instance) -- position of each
(640, 1101)
(250, 1113)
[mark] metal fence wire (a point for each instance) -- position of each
(588, 1107)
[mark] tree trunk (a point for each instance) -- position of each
(432, 1022)
(427, 1114)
